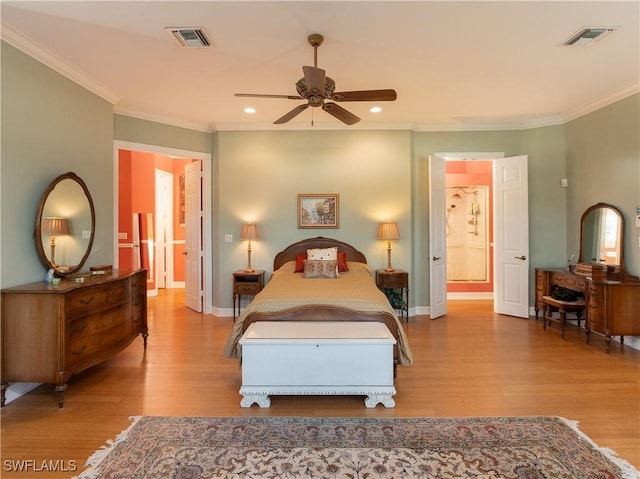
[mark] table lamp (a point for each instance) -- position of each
(249, 232)
(388, 232)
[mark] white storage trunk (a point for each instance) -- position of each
(323, 358)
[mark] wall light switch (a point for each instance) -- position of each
(564, 182)
(122, 235)
(228, 238)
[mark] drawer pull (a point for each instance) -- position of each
(80, 351)
(80, 329)
(87, 300)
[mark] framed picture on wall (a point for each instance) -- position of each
(318, 210)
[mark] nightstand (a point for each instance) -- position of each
(395, 285)
(245, 282)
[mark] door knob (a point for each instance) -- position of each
(523, 257)
(436, 258)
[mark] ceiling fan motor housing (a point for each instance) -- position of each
(314, 96)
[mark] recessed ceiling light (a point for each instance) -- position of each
(375, 109)
(249, 110)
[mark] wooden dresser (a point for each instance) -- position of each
(50, 332)
(611, 305)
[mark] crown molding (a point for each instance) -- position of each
(602, 102)
(47, 58)
(164, 120)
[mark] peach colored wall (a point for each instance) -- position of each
(136, 194)
(476, 173)
(125, 255)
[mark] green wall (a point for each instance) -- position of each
(263, 172)
(50, 126)
(148, 132)
(603, 165)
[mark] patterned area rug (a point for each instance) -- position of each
(354, 448)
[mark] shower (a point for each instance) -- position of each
(467, 234)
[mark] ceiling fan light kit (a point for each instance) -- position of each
(317, 88)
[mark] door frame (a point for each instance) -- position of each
(470, 156)
(207, 168)
(160, 225)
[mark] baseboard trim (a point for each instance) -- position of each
(15, 390)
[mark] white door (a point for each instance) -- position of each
(163, 230)
(194, 287)
(437, 238)
(511, 236)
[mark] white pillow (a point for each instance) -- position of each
(323, 254)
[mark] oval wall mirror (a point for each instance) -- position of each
(65, 224)
(601, 235)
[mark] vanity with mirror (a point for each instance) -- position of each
(71, 320)
(610, 293)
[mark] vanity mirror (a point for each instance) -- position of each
(65, 224)
(602, 239)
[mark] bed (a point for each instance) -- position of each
(352, 296)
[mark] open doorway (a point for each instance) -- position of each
(510, 244)
(469, 229)
(151, 187)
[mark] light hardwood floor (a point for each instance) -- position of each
(469, 363)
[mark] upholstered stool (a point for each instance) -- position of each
(562, 307)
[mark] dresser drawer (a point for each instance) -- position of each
(93, 348)
(247, 288)
(396, 279)
(86, 300)
(98, 297)
(572, 282)
(89, 325)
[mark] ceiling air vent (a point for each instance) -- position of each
(189, 37)
(587, 35)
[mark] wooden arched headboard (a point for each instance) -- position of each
(301, 247)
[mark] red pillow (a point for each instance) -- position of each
(342, 262)
(300, 263)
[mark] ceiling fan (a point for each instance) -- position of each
(316, 87)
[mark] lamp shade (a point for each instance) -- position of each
(55, 226)
(388, 231)
(249, 232)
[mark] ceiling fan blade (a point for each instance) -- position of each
(314, 78)
(365, 95)
(340, 113)
(260, 95)
(293, 113)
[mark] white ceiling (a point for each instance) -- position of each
(455, 65)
